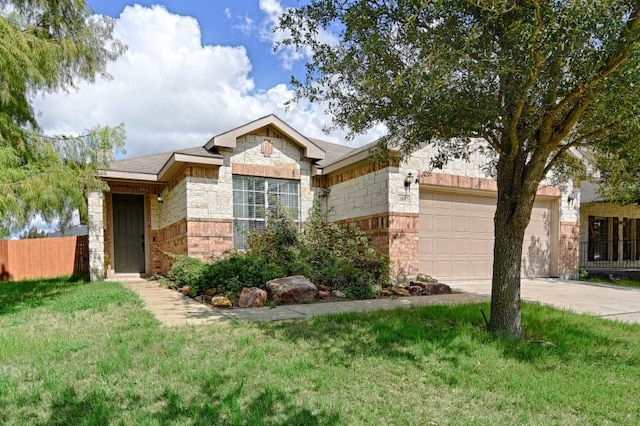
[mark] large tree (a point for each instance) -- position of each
(532, 78)
(46, 46)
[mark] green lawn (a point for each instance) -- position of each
(622, 282)
(77, 353)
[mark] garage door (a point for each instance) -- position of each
(456, 236)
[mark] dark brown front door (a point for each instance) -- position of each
(128, 233)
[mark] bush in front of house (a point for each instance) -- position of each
(336, 256)
(185, 270)
(340, 257)
(231, 274)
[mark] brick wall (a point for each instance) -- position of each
(201, 238)
(393, 234)
(569, 250)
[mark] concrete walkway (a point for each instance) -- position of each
(172, 308)
(606, 301)
(611, 302)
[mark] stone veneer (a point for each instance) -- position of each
(96, 228)
(196, 216)
(375, 198)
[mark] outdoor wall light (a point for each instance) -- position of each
(160, 199)
(409, 180)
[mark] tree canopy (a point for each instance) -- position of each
(533, 78)
(47, 46)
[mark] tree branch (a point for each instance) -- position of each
(576, 142)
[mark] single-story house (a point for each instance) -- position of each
(199, 201)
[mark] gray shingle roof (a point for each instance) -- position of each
(152, 164)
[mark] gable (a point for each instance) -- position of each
(269, 123)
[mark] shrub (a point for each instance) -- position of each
(279, 243)
(228, 276)
(340, 257)
(329, 254)
(185, 270)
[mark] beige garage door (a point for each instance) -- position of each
(456, 236)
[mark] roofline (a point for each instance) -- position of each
(229, 139)
(115, 174)
(177, 160)
(359, 154)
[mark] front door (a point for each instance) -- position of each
(128, 233)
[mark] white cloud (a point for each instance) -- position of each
(172, 92)
(269, 32)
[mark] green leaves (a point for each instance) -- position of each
(519, 74)
(47, 46)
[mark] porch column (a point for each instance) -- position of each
(620, 241)
(95, 207)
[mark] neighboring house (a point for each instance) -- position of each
(609, 232)
(199, 201)
(72, 231)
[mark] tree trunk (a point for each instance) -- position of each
(513, 213)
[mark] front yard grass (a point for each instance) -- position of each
(79, 353)
(622, 282)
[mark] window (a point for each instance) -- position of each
(598, 238)
(253, 197)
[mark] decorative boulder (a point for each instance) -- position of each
(295, 289)
(221, 302)
(401, 291)
(186, 290)
(426, 279)
(416, 290)
(324, 294)
(252, 298)
(437, 289)
(339, 294)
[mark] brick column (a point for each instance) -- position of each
(569, 250)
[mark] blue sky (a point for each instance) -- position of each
(193, 69)
(224, 22)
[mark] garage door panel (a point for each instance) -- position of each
(456, 236)
(444, 223)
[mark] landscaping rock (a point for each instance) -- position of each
(323, 287)
(416, 290)
(186, 290)
(221, 302)
(253, 297)
(295, 289)
(426, 279)
(338, 293)
(438, 288)
(209, 292)
(322, 294)
(401, 291)
(386, 292)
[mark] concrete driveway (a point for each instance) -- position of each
(611, 302)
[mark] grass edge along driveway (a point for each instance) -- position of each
(80, 353)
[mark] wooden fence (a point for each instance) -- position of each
(43, 257)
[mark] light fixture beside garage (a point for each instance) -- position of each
(409, 180)
(160, 199)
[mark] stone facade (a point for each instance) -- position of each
(196, 214)
(96, 227)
